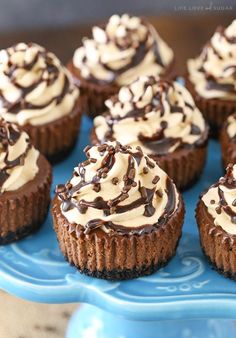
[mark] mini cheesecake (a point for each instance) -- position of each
(25, 180)
(119, 216)
(117, 53)
(38, 94)
(161, 117)
(211, 77)
(216, 218)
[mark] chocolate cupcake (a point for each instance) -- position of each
(118, 52)
(161, 117)
(216, 218)
(120, 216)
(211, 77)
(25, 179)
(37, 93)
(228, 141)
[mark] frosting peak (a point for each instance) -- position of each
(35, 87)
(220, 200)
(213, 72)
(160, 116)
(18, 158)
(124, 48)
(118, 188)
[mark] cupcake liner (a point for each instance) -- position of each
(22, 211)
(215, 111)
(114, 256)
(218, 246)
(94, 95)
(184, 166)
(57, 138)
(228, 147)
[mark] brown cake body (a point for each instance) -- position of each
(22, 211)
(87, 215)
(218, 245)
(56, 139)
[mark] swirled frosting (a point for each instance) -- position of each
(220, 201)
(125, 48)
(118, 189)
(18, 158)
(213, 71)
(160, 116)
(35, 87)
(231, 126)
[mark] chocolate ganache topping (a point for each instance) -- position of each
(160, 116)
(126, 47)
(213, 73)
(18, 158)
(120, 189)
(220, 201)
(231, 126)
(35, 87)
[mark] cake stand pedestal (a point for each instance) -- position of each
(186, 299)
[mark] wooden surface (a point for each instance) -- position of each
(185, 34)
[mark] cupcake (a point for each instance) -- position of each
(161, 117)
(216, 218)
(38, 94)
(120, 216)
(25, 179)
(211, 77)
(228, 141)
(118, 52)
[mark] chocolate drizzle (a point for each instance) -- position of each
(123, 202)
(47, 69)
(229, 182)
(9, 135)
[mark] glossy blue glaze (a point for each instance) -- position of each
(89, 322)
(186, 288)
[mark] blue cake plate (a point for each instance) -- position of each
(186, 289)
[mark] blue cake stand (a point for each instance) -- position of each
(186, 299)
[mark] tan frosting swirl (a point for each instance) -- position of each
(213, 72)
(35, 87)
(127, 47)
(18, 158)
(160, 116)
(220, 201)
(118, 188)
(231, 126)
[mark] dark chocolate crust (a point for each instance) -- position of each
(218, 246)
(215, 111)
(184, 165)
(118, 256)
(228, 147)
(22, 211)
(56, 139)
(119, 274)
(94, 95)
